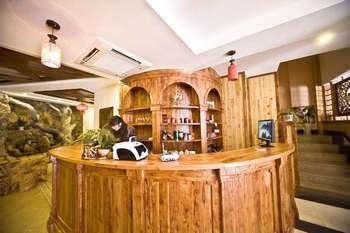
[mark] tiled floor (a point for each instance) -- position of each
(324, 215)
(28, 212)
(25, 212)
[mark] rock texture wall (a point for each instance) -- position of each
(23, 173)
(28, 129)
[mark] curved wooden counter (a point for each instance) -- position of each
(236, 191)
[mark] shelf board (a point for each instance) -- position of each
(208, 123)
(182, 141)
(144, 140)
(135, 109)
(179, 107)
(140, 124)
(215, 109)
(214, 138)
(174, 124)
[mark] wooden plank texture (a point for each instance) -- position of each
(236, 191)
(235, 124)
(262, 102)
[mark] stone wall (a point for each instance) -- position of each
(23, 173)
(28, 129)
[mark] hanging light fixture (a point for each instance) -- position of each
(82, 108)
(232, 72)
(50, 52)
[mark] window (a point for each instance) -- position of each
(320, 104)
(334, 104)
(328, 103)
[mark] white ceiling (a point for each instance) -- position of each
(185, 34)
(210, 25)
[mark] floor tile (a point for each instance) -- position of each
(324, 215)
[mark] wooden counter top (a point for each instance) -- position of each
(247, 156)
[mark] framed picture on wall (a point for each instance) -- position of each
(342, 94)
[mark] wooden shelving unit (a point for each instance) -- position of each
(136, 112)
(214, 120)
(135, 109)
(174, 102)
(180, 106)
(175, 124)
(140, 124)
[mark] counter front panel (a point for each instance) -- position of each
(236, 191)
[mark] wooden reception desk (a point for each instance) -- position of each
(235, 191)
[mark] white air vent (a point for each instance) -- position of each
(106, 57)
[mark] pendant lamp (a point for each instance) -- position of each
(82, 108)
(232, 72)
(50, 52)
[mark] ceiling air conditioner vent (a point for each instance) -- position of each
(106, 57)
(126, 56)
(90, 55)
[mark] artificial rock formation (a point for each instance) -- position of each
(28, 129)
(23, 173)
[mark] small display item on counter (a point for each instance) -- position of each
(167, 156)
(170, 156)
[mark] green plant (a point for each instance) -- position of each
(284, 113)
(106, 138)
(89, 135)
(306, 114)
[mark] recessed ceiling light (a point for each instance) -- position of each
(325, 38)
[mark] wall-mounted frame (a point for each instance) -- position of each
(342, 94)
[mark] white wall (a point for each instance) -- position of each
(106, 97)
(88, 118)
(333, 64)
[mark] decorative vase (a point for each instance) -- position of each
(89, 150)
(102, 153)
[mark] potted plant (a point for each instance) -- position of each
(288, 115)
(89, 139)
(106, 140)
(89, 136)
(309, 119)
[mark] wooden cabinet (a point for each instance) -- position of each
(172, 107)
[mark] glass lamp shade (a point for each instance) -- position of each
(51, 55)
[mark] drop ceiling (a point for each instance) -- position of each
(17, 68)
(78, 95)
(180, 34)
